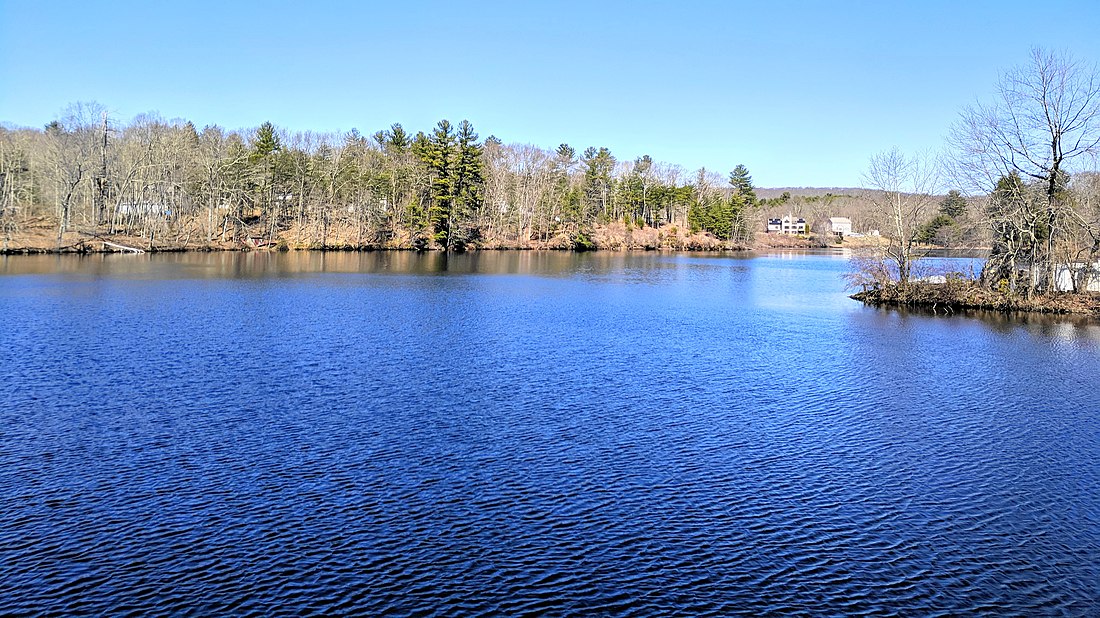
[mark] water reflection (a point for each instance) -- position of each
(1046, 325)
(805, 281)
(236, 265)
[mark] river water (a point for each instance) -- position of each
(532, 433)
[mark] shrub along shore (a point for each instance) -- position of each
(966, 294)
(42, 238)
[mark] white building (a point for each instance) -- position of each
(839, 226)
(787, 225)
(1078, 275)
(143, 208)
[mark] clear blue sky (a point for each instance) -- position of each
(801, 92)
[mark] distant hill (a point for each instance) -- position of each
(808, 191)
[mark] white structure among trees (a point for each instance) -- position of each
(838, 226)
(787, 225)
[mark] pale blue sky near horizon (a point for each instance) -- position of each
(803, 93)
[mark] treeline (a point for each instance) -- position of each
(444, 188)
(1046, 235)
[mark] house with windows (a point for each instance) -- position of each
(143, 208)
(787, 225)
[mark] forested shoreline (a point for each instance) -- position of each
(86, 182)
(168, 185)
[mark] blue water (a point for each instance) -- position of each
(530, 434)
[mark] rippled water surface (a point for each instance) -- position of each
(531, 433)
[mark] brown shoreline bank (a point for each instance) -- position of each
(92, 248)
(967, 295)
(612, 237)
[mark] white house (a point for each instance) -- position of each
(143, 208)
(839, 226)
(787, 225)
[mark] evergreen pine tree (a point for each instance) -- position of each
(469, 189)
(439, 157)
(265, 142)
(741, 182)
(599, 164)
(954, 205)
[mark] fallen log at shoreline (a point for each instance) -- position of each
(107, 243)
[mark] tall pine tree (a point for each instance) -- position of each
(440, 156)
(469, 190)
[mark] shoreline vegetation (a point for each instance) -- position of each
(40, 237)
(167, 185)
(960, 295)
(609, 238)
(1028, 159)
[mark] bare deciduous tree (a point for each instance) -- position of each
(904, 201)
(1045, 119)
(71, 146)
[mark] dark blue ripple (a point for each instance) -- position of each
(532, 434)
